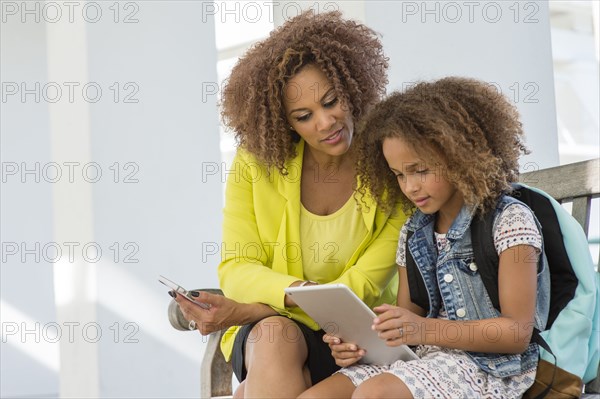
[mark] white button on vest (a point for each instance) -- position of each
(448, 278)
(461, 312)
(473, 267)
(492, 366)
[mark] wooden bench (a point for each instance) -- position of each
(577, 183)
(215, 372)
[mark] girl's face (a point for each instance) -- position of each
(423, 183)
(315, 112)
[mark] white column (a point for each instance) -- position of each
(157, 208)
(75, 277)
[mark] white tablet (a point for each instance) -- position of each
(339, 312)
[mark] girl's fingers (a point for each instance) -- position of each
(344, 347)
(344, 359)
(390, 324)
(388, 313)
(330, 339)
(389, 334)
(382, 308)
(347, 354)
(346, 362)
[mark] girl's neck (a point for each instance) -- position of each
(446, 215)
(442, 225)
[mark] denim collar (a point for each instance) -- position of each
(458, 228)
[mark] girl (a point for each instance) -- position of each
(448, 151)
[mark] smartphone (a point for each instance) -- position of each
(180, 290)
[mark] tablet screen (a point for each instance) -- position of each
(339, 312)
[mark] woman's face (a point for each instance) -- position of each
(315, 112)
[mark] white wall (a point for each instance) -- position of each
(507, 43)
(159, 208)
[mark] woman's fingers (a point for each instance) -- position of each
(203, 318)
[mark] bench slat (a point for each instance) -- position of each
(567, 181)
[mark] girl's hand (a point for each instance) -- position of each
(220, 314)
(345, 354)
(398, 325)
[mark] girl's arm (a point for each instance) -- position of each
(509, 333)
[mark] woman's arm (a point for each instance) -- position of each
(509, 333)
(246, 270)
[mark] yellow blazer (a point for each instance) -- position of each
(261, 242)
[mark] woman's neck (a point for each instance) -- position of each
(321, 161)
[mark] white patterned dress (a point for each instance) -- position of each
(451, 373)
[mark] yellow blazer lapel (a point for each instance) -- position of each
(289, 232)
(369, 219)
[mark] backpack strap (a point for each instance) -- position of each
(416, 285)
(537, 338)
(486, 257)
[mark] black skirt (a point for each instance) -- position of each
(320, 363)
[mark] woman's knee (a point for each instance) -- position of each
(275, 330)
(276, 334)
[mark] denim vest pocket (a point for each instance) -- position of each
(468, 266)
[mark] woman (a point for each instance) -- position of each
(291, 215)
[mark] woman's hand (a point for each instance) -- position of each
(345, 354)
(222, 312)
(398, 325)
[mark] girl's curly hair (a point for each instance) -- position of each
(463, 125)
(349, 54)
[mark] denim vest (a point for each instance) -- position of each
(451, 276)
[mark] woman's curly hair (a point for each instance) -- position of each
(464, 126)
(349, 54)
